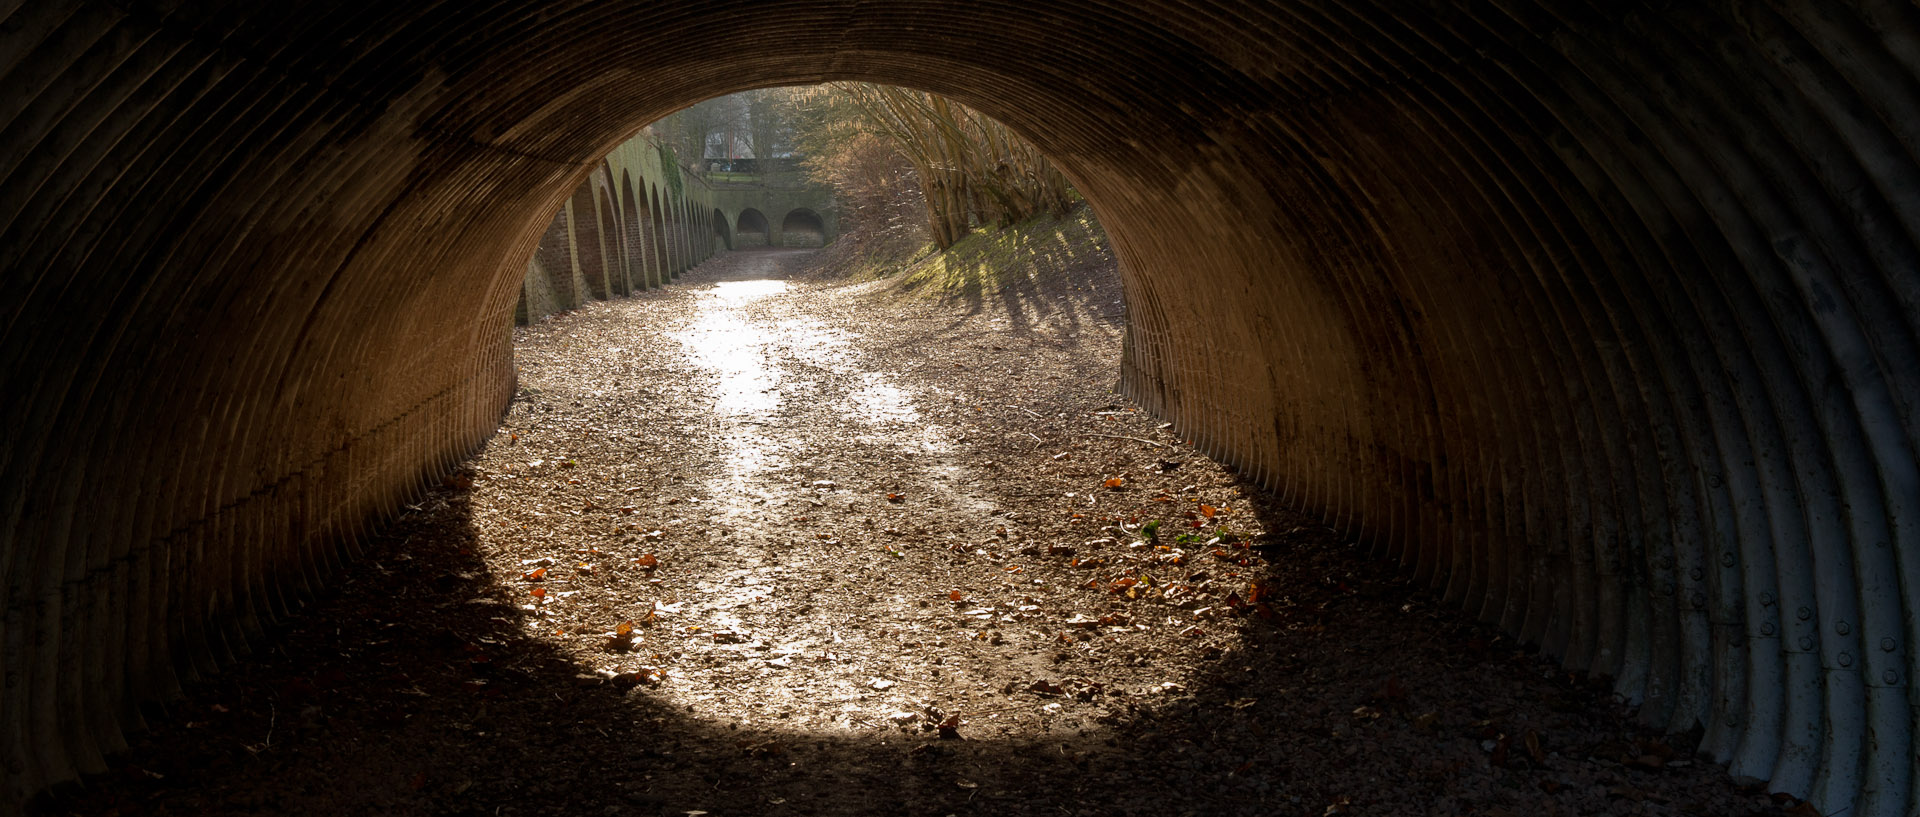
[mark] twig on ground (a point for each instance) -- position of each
(1124, 437)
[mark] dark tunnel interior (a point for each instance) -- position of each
(1599, 319)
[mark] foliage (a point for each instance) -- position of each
(872, 142)
(670, 171)
(971, 169)
(769, 123)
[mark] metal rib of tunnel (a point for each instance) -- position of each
(1601, 320)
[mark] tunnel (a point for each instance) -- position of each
(1599, 321)
(803, 228)
(722, 239)
(751, 228)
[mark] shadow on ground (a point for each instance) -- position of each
(1046, 272)
(415, 689)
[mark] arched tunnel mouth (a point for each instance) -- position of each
(1598, 326)
(721, 230)
(803, 228)
(752, 229)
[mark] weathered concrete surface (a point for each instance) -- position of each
(1602, 320)
(777, 198)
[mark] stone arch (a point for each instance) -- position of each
(751, 229)
(661, 257)
(802, 227)
(600, 285)
(588, 242)
(720, 232)
(1599, 325)
(683, 248)
(630, 235)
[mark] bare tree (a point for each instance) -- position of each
(972, 169)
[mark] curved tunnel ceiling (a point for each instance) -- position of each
(1602, 321)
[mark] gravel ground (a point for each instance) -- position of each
(763, 543)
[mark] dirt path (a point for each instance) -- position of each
(752, 545)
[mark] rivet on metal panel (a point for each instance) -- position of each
(1886, 645)
(1699, 599)
(1726, 559)
(1766, 628)
(1845, 659)
(1805, 613)
(1806, 642)
(1766, 599)
(1890, 677)
(1842, 628)
(1696, 574)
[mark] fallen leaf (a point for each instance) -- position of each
(624, 628)
(955, 595)
(537, 575)
(1045, 687)
(1257, 592)
(1207, 510)
(1114, 482)
(539, 592)
(648, 561)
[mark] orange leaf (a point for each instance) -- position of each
(648, 561)
(625, 628)
(954, 595)
(1207, 511)
(537, 575)
(539, 592)
(1115, 482)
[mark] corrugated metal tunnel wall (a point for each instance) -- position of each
(1599, 317)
